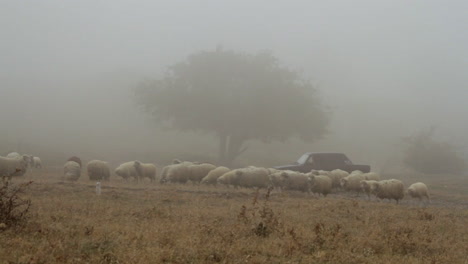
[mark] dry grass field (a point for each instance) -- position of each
(151, 223)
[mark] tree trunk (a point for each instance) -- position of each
(234, 148)
(230, 147)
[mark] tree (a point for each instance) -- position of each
(236, 96)
(425, 154)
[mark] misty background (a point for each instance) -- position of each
(386, 69)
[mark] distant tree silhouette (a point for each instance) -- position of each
(237, 97)
(425, 154)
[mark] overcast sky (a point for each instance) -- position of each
(383, 66)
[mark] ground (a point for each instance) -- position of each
(153, 223)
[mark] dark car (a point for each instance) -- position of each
(323, 161)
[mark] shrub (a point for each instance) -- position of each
(425, 154)
(13, 208)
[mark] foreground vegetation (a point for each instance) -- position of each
(145, 223)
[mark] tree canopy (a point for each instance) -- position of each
(237, 97)
(425, 154)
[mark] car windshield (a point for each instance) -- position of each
(303, 159)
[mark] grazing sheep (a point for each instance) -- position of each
(253, 177)
(25, 158)
(276, 180)
(213, 175)
(296, 181)
(71, 171)
(336, 176)
(352, 182)
(98, 170)
(13, 155)
(390, 189)
(229, 178)
(321, 184)
(418, 190)
(368, 187)
(372, 176)
(75, 159)
(354, 172)
(127, 170)
(37, 162)
(145, 170)
(176, 173)
(13, 166)
(199, 171)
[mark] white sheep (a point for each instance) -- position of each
(71, 171)
(296, 181)
(336, 176)
(276, 180)
(126, 170)
(199, 171)
(12, 166)
(368, 187)
(253, 177)
(389, 189)
(17, 156)
(213, 175)
(145, 170)
(352, 182)
(37, 162)
(76, 159)
(98, 170)
(371, 176)
(176, 173)
(320, 184)
(229, 178)
(418, 190)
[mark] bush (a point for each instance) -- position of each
(13, 208)
(426, 155)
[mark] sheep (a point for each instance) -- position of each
(199, 171)
(75, 159)
(296, 181)
(71, 171)
(229, 178)
(320, 184)
(372, 176)
(12, 166)
(336, 176)
(37, 162)
(145, 170)
(98, 170)
(253, 177)
(176, 173)
(13, 155)
(389, 189)
(276, 180)
(352, 182)
(126, 170)
(418, 190)
(17, 156)
(368, 187)
(213, 175)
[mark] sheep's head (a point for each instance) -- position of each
(239, 173)
(138, 167)
(344, 182)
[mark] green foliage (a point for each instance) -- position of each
(236, 96)
(425, 154)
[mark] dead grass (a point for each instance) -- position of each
(146, 223)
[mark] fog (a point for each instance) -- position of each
(386, 69)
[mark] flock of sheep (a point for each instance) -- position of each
(15, 164)
(316, 182)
